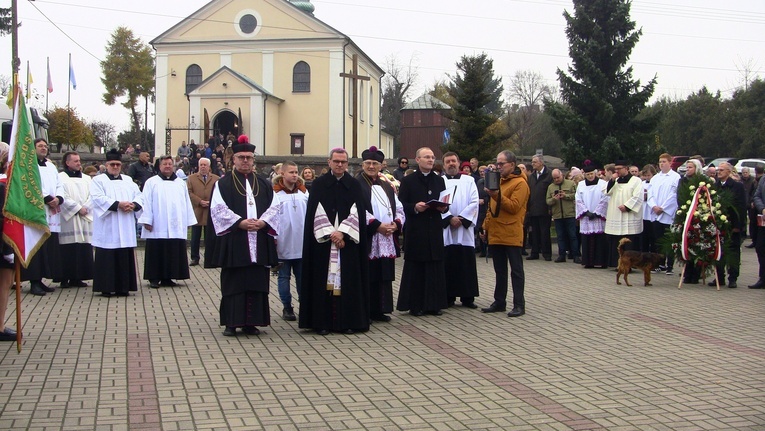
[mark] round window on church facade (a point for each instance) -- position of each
(248, 23)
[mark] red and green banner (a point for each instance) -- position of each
(26, 224)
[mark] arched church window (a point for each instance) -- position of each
(193, 77)
(301, 78)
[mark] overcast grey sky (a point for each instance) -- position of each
(687, 44)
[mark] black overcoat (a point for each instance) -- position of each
(319, 309)
(423, 232)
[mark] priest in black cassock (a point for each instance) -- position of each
(423, 282)
(383, 228)
(245, 214)
(334, 293)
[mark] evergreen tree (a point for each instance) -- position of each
(477, 107)
(598, 116)
(6, 21)
(128, 71)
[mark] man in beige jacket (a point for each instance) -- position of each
(200, 187)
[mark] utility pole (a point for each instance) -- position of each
(15, 61)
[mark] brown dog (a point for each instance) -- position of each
(635, 259)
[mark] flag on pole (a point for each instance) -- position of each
(29, 82)
(72, 80)
(50, 80)
(26, 225)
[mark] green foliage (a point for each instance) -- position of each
(68, 130)
(6, 21)
(706, 222)
(706, 124)
(128, 71)
(600, 117)
(477, 107)
(135, 137)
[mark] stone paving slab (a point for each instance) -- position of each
(587, 355)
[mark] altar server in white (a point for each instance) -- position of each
(662, 201)
(167, 215)
(459, 234)
(76, 224)
(289, 189)
(47, 262)
(116, 199)
(591, 209)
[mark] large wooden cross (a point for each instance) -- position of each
(355, 77)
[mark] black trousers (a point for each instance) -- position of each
(540, 235)
(196, 237)
(733, 259)
(760, 248)
(501, 255)
(659, 229)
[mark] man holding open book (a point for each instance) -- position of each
(423, 284)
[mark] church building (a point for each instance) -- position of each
(268, 69)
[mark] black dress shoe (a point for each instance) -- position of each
(154, 284)
(516, 311)
(64, 284)
(37, 290)
(229, 332)
(9, 331)
(45, 287)
(533, 257)
(322, 332)
(578, 260)
(107, 294)
(714, 283)
(732, 284)
(380, 318)
(469, 305)
(434, 312)
(560, 259)
(416, 313)
(494, 308)
(77, 283)
(288, 314)
(759, 285)
(169, 283)
(251, 330)
(194, 263)
(7, 337)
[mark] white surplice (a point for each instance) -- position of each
(629, 194)
(76, 228)
(591, 198)
(289, 244)
(51, 186)
(465, 205)
(113, 229)
(167, 208)
(383, 245)
(223, 218)
(663, 193)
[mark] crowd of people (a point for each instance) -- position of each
(339, 234)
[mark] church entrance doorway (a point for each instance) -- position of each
(226, 122)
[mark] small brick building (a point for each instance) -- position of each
(423, 124)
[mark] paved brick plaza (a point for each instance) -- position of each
(588, 355)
